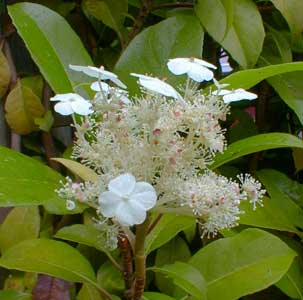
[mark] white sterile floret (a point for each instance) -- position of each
(71, 103)
(127, 200)
(70, 205)
(100, 73)
(196, 69)
(158, 86)
(235, 95)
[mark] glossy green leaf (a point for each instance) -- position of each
(111, 13)
(14, 295)
(290, 10)
(82, 234)
(244, 40)
(25, 182)
(276, 184)
(246, 263)
(44, 32)
(110, 278)
(89, 292)
(155, 296)
(22, 223)
(177, 36)
(175, 250)
(22, 106)
(268, 216)
(50, 257)
(248, 78)
(254, 144)
(5, 74)
(185, 276)
(78, 169)
(167, 228)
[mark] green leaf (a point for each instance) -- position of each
(186, 277)
(35, 83)
(155, 296)
(25, 181)
(248, 78)
(167, 228)
(289, 9)
(149, 51)
(46, 122)
(246, 263)
(5, 74)
(14, 295)
(244, 39)
(78, 169)
(22, 223)
(82, 234)
(268, 216)
(110, 278)
(175, 250)
(89, 292)
(111, 13)
(49, 257)
(44, 32)
(254, 144)
(22, 106)
(275, 183)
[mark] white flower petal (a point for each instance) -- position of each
(102, 73)
(204, 63)
(221, 92)
(86, 70)
(118, 82)
(237, 95)
(199, 73)
(63, 108)
(179, 66)
(66, 97)
(81, 107)
(145, 194)
(97, 86)
(109, 203)
(130, 213)
(122, 185)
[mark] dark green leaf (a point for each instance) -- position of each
(155, 296)
(33, 183)
(246, 263)
(254, 144)
(44, 32)
(49, 257)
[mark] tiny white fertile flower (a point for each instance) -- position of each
(71, 103)
(100, 73)
(235, 95)
(127, 200)
(196, 69)
(70, 205)
(156, 85)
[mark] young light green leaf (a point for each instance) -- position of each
(44, 32)
(14, 295)
(49, 257)
(246, 263)
(5, 74)
(22, 106)
(22, 223)
(78, 169)
(275, 183)
(89, 292)
(33, 183)
(254, 144)
(185, 276)
(248, 78)
(150, 50)
(167, 228)
(82, 234)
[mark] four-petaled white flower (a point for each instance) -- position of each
(100, 73)
(156, 85)
(71, 103)
(196, 69)
(127, 200)
(235, 95)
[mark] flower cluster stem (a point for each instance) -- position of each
(140, 258)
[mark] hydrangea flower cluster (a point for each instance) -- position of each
(152, 152)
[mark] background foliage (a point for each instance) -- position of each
(255, 44)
